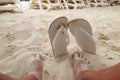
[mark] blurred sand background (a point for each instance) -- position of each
(22, 35)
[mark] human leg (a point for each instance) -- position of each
(5, 77)
(111, 73)
(78, 65)
(34, 72)
(83, 72)
(81, 68)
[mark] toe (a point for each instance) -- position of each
(75, 56)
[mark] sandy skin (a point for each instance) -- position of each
(34, 72)
(82, 70)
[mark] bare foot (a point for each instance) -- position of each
(35, 70)
(79, 64)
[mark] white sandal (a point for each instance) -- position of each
(58, 33)
(82, 32)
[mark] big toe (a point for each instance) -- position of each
(76, 56)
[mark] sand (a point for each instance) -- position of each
(23, 35)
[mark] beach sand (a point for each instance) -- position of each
(23, 35)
